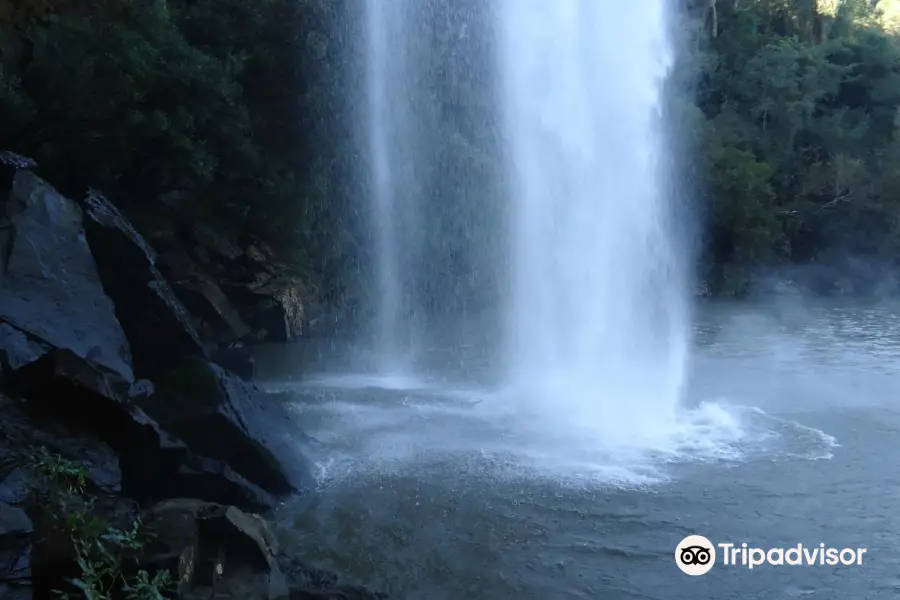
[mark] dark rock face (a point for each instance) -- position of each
(270, 299)
(228, 420)
(83, 311)
(152, 462)
(58, 331)
(152, 316)
(217, 318)
(216, 550)
(50, 286)
(24, 428)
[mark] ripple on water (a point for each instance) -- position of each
(366, 429)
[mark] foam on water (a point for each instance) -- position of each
(370, 430)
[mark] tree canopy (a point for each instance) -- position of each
(243, 110)
(799, 136)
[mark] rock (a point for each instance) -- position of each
(214, 481)
(16, 161)
(15, 545)
(216, 241)
(153, 318)
(17, 348)
(150, 463)
(14, 592)
(215, 550)
(268, 295)
(237, 360)
(288, 292)
(50, 286)
(225, 419)
(203, 298)
(13, 521)
(10, 164)
(25, 429)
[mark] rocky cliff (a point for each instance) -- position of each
(121, 405)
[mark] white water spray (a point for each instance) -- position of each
(599, 327)
(392, 138)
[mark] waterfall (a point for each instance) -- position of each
(391, 146)
(598, 323)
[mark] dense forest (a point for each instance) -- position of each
(798, 141)
(240, 114)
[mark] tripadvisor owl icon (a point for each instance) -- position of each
(695, 555)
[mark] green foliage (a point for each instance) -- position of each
(103, 552)
(800, 100)
(225, 102)
(242, 108)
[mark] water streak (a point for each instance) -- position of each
(392, 136)
(598, 323)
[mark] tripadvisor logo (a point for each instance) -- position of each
(696, 555)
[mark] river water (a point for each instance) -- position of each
(434, 487)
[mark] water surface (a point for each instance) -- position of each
(434, 487)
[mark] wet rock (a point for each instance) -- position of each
(216, 317)
(18, 348)
(235, 359)
(153, 318)
(223, 418)
(215, 550)
(51, 287)
(149, 462)
(285, 323)
(214, 481)
(269, 297)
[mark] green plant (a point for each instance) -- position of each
(60, 471)
(103, 552)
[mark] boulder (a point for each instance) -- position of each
(220, 551)
(279, 310)
(153, 463)
(269, 296)
(226, 419)
(153, 318)
(18, 348)
(215, 316)
(50, 285)
(215, 550)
